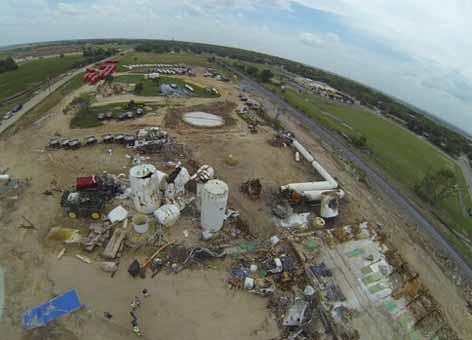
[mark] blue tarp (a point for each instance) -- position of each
(40, 315)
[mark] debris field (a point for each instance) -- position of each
(221, 228)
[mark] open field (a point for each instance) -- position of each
(162, 58)
(32, 73)
(151, 87)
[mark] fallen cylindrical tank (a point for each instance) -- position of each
(313, 191)
(167, 215)
(315, 195)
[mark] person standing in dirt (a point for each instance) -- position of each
(136, 329)
(146, 293)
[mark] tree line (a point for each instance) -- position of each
(94, 54)
(443, 137)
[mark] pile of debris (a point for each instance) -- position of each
(252, 188)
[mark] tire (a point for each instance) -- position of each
(95, 215)
(72, 215)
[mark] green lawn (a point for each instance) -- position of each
(88, 119)
(404, 156)
(151, 88)
(162, 58)
(32, 73)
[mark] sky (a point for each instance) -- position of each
(417, 50)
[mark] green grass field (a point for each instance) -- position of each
(151, 88)
(162, 58)
(88, 119)
(404, 156)
(32, 73)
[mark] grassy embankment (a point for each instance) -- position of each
(404, 156)
(29, 76)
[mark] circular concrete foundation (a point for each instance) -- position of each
(203, 119)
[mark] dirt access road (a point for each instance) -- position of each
(375, 176)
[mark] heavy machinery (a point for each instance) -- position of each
(104, 186)
(89, 197)
(83, 204)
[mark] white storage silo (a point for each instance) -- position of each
(145, 183)
(213, 205)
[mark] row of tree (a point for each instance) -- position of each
(94, 54)
(7, 64)
(448, 140)
(264, 75)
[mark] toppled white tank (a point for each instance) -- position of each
(167, 215)
(146, 182)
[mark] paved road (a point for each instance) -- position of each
(376, 178)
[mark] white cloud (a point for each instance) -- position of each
(422, 29)
(70, 9)
(316, 39)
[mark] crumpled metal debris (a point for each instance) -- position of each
(252, 188)
(295, 314)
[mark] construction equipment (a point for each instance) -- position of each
(83, 204)
(104, 185)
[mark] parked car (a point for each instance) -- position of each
(17, 108)
(107, 138)
(126, 115)
(91, 140)
(74, 143)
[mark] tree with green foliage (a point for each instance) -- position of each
(437, 186)
(139, 88)
(252, 71)
(266, 75)
(7, 64)
(359, 142)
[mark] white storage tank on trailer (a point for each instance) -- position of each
(213, 205)
(145, 183)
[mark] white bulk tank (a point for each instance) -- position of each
(145, 181)
(213, 205)
(167, 215)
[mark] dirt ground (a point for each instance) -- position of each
(193, 304)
